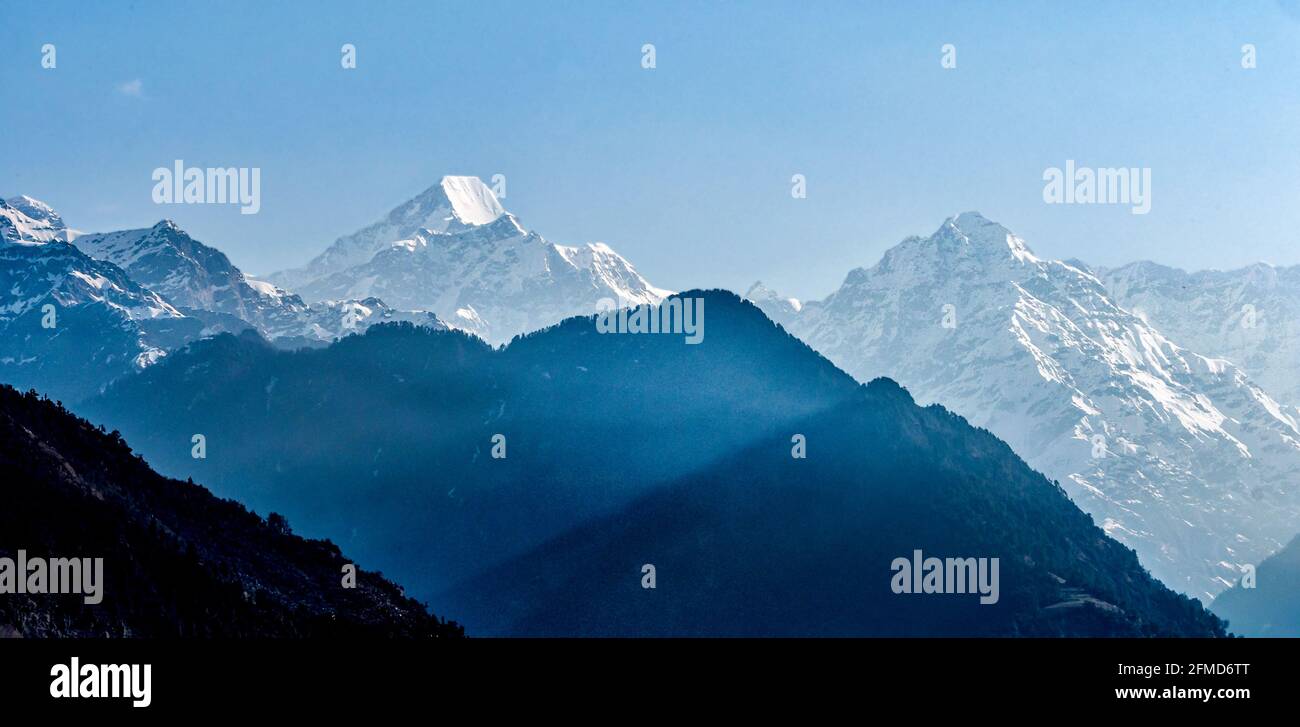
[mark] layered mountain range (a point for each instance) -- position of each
(526, 488)
(1180, 455)
(69, 322)
(202, 282)
(449, 256)
(120, 301)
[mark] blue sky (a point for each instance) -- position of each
(685, 169)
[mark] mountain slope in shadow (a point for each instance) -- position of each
(176, 561)
(620, 449)
(384, 440)
(765, 544)
(1272, 607)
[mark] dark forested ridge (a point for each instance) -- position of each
(625, 450)
(764, 544)
(177, 561)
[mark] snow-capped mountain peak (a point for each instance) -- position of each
(971, 233)
(206, 285)
(454, 251)
(26, 220)
(34, 208)
(1177, 454)
(455, 204)
(167, 259)
(69, 322)
(472, 202)
(451, 205)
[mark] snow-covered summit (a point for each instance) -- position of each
(455, 251)
(472, 202)
(968, 238)
(206, 285)
(70, 323)
(453, 205)
(26, 220)
(496, 280)
(1179, 455)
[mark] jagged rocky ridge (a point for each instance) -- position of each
(1250, 316)
(68, 322)
(120, 301)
